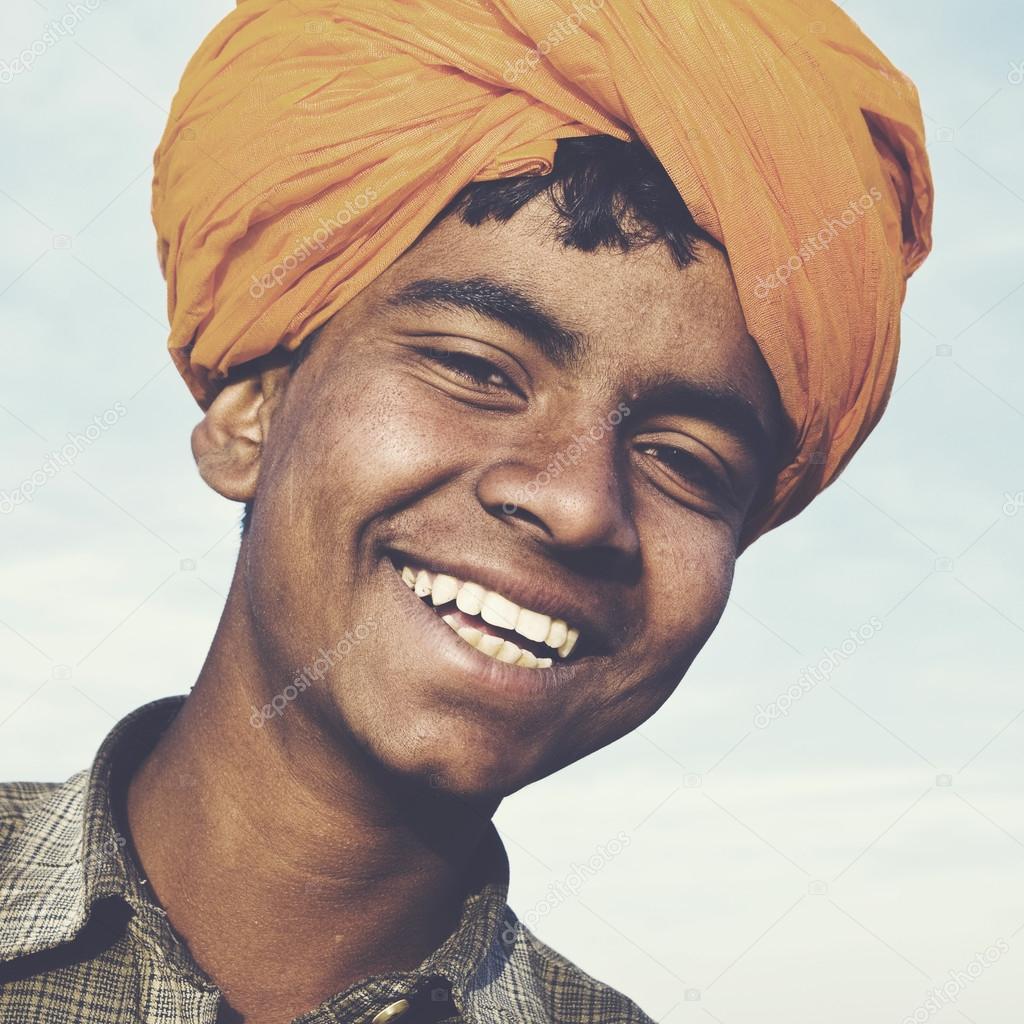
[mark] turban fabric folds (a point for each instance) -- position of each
(310, 144)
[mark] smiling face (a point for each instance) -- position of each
(580, 433)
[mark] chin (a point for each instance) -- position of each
(464, 765)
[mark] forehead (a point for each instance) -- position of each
(641, 315)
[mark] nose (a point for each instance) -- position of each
(571, 494)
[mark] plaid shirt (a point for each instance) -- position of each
(81, 939)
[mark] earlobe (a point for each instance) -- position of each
(227, 443)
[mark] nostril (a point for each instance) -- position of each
(518, 512)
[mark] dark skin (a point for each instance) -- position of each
(331, 843)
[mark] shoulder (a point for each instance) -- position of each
(19, 800)
(571, 995)
(34, 811)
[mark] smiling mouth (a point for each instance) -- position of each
(492, 623)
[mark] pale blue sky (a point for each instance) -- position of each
(894, 785)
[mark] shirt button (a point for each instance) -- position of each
(392, 1012)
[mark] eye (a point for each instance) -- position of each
(481, 373)
(689, 467)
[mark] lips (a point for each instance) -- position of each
(492, 623)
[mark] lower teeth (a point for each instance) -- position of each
(494, 647)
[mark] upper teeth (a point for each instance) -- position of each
(492, 607)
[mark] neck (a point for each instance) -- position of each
(282, 855)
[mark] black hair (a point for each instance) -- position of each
(296, 359)
(608, 193)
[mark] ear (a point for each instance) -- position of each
(228, 442)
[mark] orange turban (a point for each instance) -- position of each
(309, 145)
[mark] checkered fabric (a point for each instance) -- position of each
(82, 940)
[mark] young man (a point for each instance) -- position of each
(506, 388)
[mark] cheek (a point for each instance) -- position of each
(688, 565)
(385, 444)
(344, 458)
(691, 571)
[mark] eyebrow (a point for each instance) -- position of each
(500, 302)
(664, 393)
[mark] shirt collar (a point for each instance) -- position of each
(69, 854)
